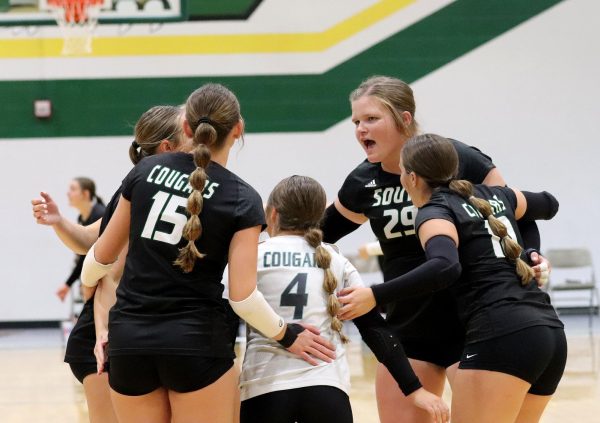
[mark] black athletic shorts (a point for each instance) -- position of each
(81, 370)
(312, 404)
(537, 355)
(443, 353)
(141, 374)
(233, 321)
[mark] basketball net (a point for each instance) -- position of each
(76, 20)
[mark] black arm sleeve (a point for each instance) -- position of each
(540, 206)
(336, 226)
(76, 273)
(388, 350)
(530, 234)
(440, 270)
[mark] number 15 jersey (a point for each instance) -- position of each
(160, 309)
(291, 282)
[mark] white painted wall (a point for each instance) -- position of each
(528, 98)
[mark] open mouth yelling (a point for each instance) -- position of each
(369, 145)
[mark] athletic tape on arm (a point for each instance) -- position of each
(257, 312)
(92, 271)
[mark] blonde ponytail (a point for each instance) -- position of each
(434, 159)
(211, 111)
(314, 237)
(512, 250)
(206, 135)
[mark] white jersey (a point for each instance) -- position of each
(263, 236)
(291, 282)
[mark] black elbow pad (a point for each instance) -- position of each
(540, 206)
(443, 249)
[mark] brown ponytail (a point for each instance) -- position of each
(314, 237)
(300, 203)
(193, 227)
(512, 250)
(87, 184)
(211, 112)
(434, 159)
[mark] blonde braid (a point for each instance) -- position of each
(206, 134)
(314, 237)
(511, 248)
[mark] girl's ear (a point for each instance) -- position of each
(272, 221)
(164, 147)
(406, 118)
(238, 129)
(187, 129)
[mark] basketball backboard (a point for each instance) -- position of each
(37, 12)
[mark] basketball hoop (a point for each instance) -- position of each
(77, 20)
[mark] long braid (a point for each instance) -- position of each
(206, 135)
(211, 111)
(314, 237)
(512, 250)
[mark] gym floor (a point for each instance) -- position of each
(37, 386)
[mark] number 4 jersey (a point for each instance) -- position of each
(160, 309)
(291, 282)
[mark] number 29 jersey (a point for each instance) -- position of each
(291, 282)
(160, 309)
(378, 195)
(490, 297)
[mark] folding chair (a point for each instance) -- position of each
(573, 270)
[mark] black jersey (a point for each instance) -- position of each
(96, 213)
(379, 196)
(490, 298)
(160, 309)
(81, 342)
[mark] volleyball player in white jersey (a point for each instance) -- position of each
(300, 276)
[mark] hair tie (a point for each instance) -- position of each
(135, 144)
(205, 119)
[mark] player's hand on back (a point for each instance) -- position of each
(45, 210)
(311, 347)
(355, 301)
(434, 405)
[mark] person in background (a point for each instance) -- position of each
(82, 196)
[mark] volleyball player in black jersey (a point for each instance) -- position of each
(82, 195)
(186, 217)
(157, 131)
(383, 110)
(515, 350)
